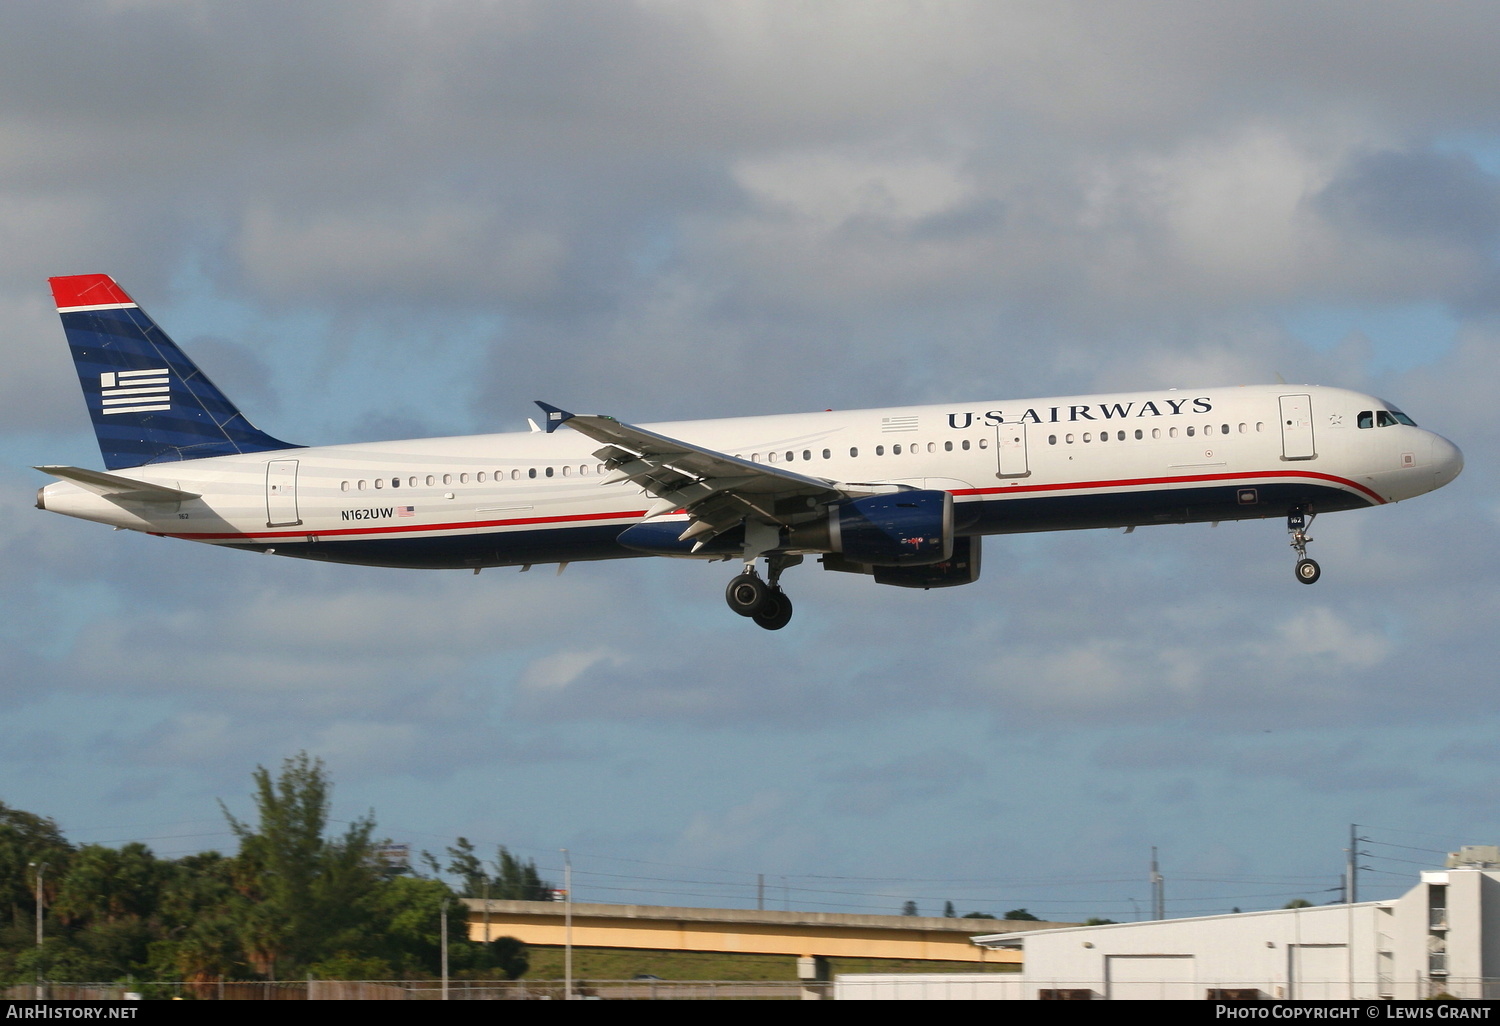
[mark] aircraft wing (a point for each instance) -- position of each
(716, 490)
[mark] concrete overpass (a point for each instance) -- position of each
(817, 935)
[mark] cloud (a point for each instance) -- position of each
(393, 217)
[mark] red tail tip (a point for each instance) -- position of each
(87, 290)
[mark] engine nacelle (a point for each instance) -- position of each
(910, 528)
(961, 568)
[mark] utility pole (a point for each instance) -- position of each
(486, 908)
(1158, 890)
(1351, 872)
(40, 867)
(567, 926)
(444, 920)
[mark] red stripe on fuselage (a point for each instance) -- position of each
(1140, 482)
(417, 529)
(632, 514)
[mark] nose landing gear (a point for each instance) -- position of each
(762, 601)
(1297, 522)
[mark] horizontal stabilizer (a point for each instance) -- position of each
(113, 486)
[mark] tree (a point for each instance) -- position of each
(199, 916)
(108, 885)
(517, 880)
(909, 908)
(1022, 914)
(978, 915)
(514, 880)
(948, 912)
(1298, 903)
(303, 895)
(468, 867)
(26, 838)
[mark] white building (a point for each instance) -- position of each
(1442, 936)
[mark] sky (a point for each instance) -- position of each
(373, 220)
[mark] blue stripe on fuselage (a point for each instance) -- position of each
(1021, 514)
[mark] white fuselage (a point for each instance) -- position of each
(1022, 465)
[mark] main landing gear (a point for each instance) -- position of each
(1297, 522)
(762, 600)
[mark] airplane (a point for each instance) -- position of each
(904, 495)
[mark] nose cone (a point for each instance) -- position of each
(1447, 461)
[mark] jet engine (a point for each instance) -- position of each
(911, 528)
(960, 568)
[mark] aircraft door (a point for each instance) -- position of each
(1010, 445)
(1297, 428)
(281, 494)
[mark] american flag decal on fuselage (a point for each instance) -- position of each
(135, 391)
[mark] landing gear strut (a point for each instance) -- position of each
(1297, 522)
(762, 601)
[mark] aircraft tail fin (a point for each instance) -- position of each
(148, 401)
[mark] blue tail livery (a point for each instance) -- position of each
(149, 402)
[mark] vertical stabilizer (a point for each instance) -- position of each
(148, 401)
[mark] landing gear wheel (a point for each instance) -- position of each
(776, 612)
(747, 594)
(1297, 522)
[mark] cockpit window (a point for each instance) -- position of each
(1391, 416)
(1366, 418)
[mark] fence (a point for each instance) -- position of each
(416, 990)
